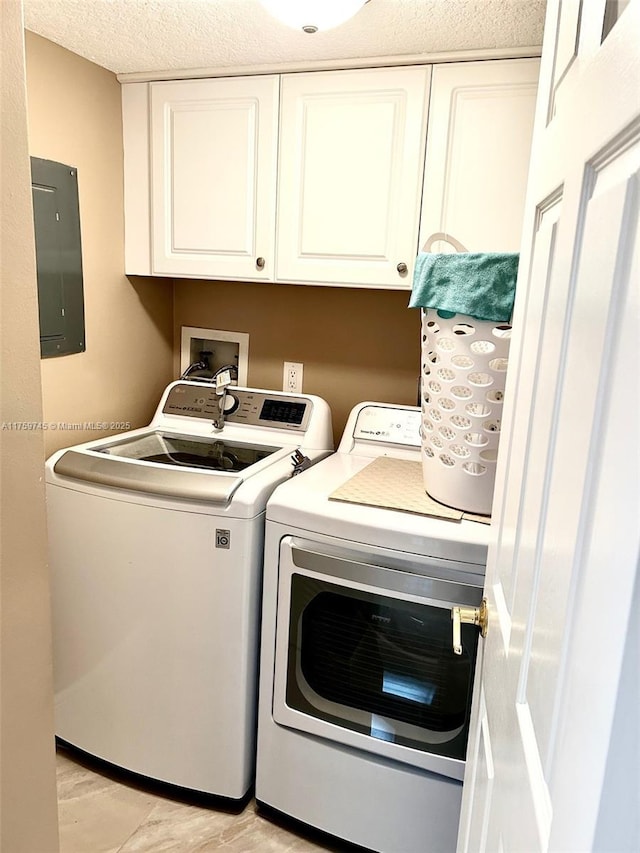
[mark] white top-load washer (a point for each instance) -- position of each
(364, 705)
(156, 549)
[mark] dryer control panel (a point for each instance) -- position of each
(388, 424)
(382, 429)
(242, 406)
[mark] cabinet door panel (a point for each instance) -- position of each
(214, 145)
(478, 147)
(205, 172)
(351, 153)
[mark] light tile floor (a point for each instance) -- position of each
(101, 811)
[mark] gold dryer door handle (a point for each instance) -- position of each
(469, 616)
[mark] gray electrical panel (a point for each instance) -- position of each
(56, 218)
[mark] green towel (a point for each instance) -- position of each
(482, 285)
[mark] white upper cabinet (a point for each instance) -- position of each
(478, 146)
(213, 177)
(350, 175)
(317, 177)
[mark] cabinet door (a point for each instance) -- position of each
(213, 177)
(478, 147)
(350, 174)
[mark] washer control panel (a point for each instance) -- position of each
(389, 425)
(242, 406)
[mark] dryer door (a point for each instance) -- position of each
(364, 656)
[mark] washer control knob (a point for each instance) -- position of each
(231, 403)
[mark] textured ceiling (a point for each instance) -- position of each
(167, 35)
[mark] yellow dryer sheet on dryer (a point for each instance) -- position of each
(396, 484)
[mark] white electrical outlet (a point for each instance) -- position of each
(292, 377)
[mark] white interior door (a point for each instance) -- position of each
(552, 763)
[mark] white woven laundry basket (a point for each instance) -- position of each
(464, 364)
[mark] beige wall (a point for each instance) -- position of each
(75, 118)
(355, 344)
(27, 758)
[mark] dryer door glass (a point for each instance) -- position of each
(380, 665)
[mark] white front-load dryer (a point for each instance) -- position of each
(155, 550)
(364, 705)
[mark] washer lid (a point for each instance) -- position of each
(214, 487)
(210, 453)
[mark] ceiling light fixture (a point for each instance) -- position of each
(313, 15)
